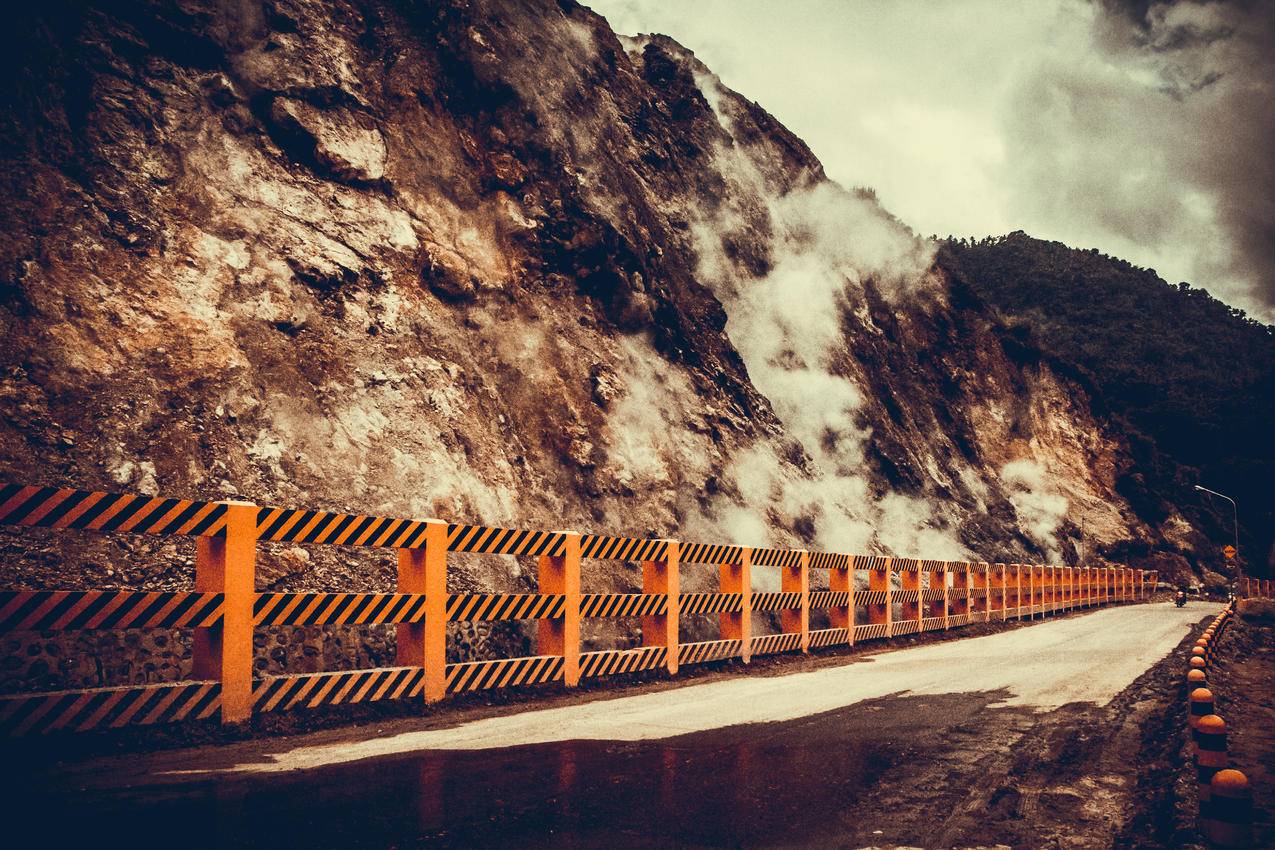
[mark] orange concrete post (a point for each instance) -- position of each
(1003, 585)
(1009, 607)
(841, 580)
(1016, 578)
(560, 574)
(797, 580)
(959, 604)
(664, 578)
(881, 613)
(910, 582)
(424, 645)
(227, 565)
(737, 578)
(1029, 585)
(932, 606)
(980, 597)
(1000, 583)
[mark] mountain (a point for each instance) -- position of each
(1193, 375)
(491, 262)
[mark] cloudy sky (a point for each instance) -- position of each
(1140, 128)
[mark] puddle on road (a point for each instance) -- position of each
(787, 783)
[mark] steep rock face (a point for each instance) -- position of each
(490, 262)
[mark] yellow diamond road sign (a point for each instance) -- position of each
(1228, 551)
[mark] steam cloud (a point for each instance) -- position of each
(1140, 128)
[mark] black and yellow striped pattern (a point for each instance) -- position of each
(820, 638)
(772, 644)
(610, 662)
(906, 595)
(871, 562)
(709, 650)
(933, 594)
(870, 597)
(704, 553)
(310, 690)
(904, 627)
(776, 557)
(961, 619)
(710, 603)
(108, 707)
(331, 528)
(52, 507)
(931, 623)
(605, 548)
(776, 601)
(907, 565)
(504, 541)
(870, 631)
(623, 604)
(337, 609)
(829, 598)
(504, 673)
(40, 610)
(505, 606)
(829, 561)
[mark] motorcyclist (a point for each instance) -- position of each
(1179, 598)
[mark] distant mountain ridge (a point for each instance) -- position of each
(1195, 375)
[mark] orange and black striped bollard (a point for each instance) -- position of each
(1209, 752)
(1201, 701)
(1230, 820)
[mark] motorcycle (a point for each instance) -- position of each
(1179, 598)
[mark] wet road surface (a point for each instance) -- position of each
(873, 769)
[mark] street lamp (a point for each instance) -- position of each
(1235, 514)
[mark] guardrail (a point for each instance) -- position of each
(224, 608)
(1256, 588)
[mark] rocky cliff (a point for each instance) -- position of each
(491, 262)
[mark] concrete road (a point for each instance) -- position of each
(1034, 737)
(1043, 666)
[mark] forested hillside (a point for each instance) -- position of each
(1196, 376)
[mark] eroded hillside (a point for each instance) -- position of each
(490, 262)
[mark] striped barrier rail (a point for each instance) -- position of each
(862, 597)
(1256, 588)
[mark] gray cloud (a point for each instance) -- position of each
(1140, 128)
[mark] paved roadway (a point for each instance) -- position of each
(751, 760)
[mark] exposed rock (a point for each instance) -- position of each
(336, 138)
(492, 263)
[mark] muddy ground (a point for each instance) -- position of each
(926, 771)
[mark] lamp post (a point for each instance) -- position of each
(1235, 515)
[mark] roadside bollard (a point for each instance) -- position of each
(1209, 736)
(1200, 651)
(1195, 679)
(1230, 820)
(1197, 663)
(1201, 700)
